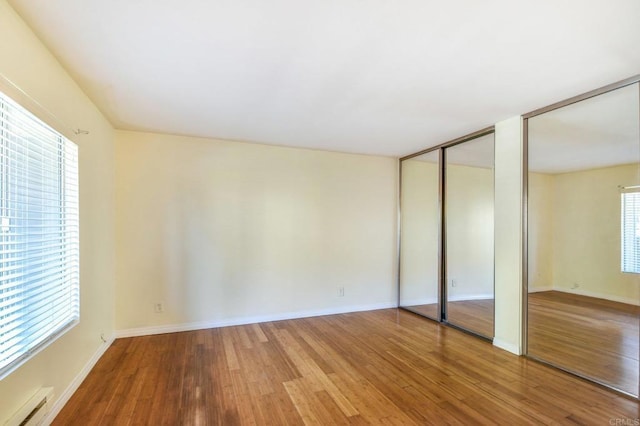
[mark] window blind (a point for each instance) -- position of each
(39, 234)
(631, 230)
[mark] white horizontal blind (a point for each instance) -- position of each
(39, 241)
(631, 231)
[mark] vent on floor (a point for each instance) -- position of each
(34, 411)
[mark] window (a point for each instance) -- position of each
(39, 283)
(631, 230)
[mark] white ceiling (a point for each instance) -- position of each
(376, 77)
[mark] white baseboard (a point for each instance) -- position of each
(581, 292)
(509, 347)
(77, 381)
(175, 328)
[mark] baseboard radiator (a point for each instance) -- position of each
(34, 411)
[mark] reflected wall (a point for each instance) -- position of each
(419, 242)
(469, 204)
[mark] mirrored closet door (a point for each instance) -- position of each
(446, 233)
(420, 240)
(583, 237)
(469, 203)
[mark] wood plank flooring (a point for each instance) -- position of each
(379, 367)
(594, 337)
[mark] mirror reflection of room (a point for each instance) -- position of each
(469, 217)
(420, 216)
(468, 284)
(583, 238)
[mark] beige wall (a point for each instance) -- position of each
(575, 233)
(226, 232)
(27, 63)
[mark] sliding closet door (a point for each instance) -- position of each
(419, 236)
(469, 200)
(584, 237)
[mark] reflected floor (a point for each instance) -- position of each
(473, 315)
(429, 311)
(593, 337)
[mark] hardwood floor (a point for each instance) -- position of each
(379, 367)
(593, 337)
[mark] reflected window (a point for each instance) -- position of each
(630, 232)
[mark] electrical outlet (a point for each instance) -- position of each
(453, 282)
(340, 291)
(158, 307)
